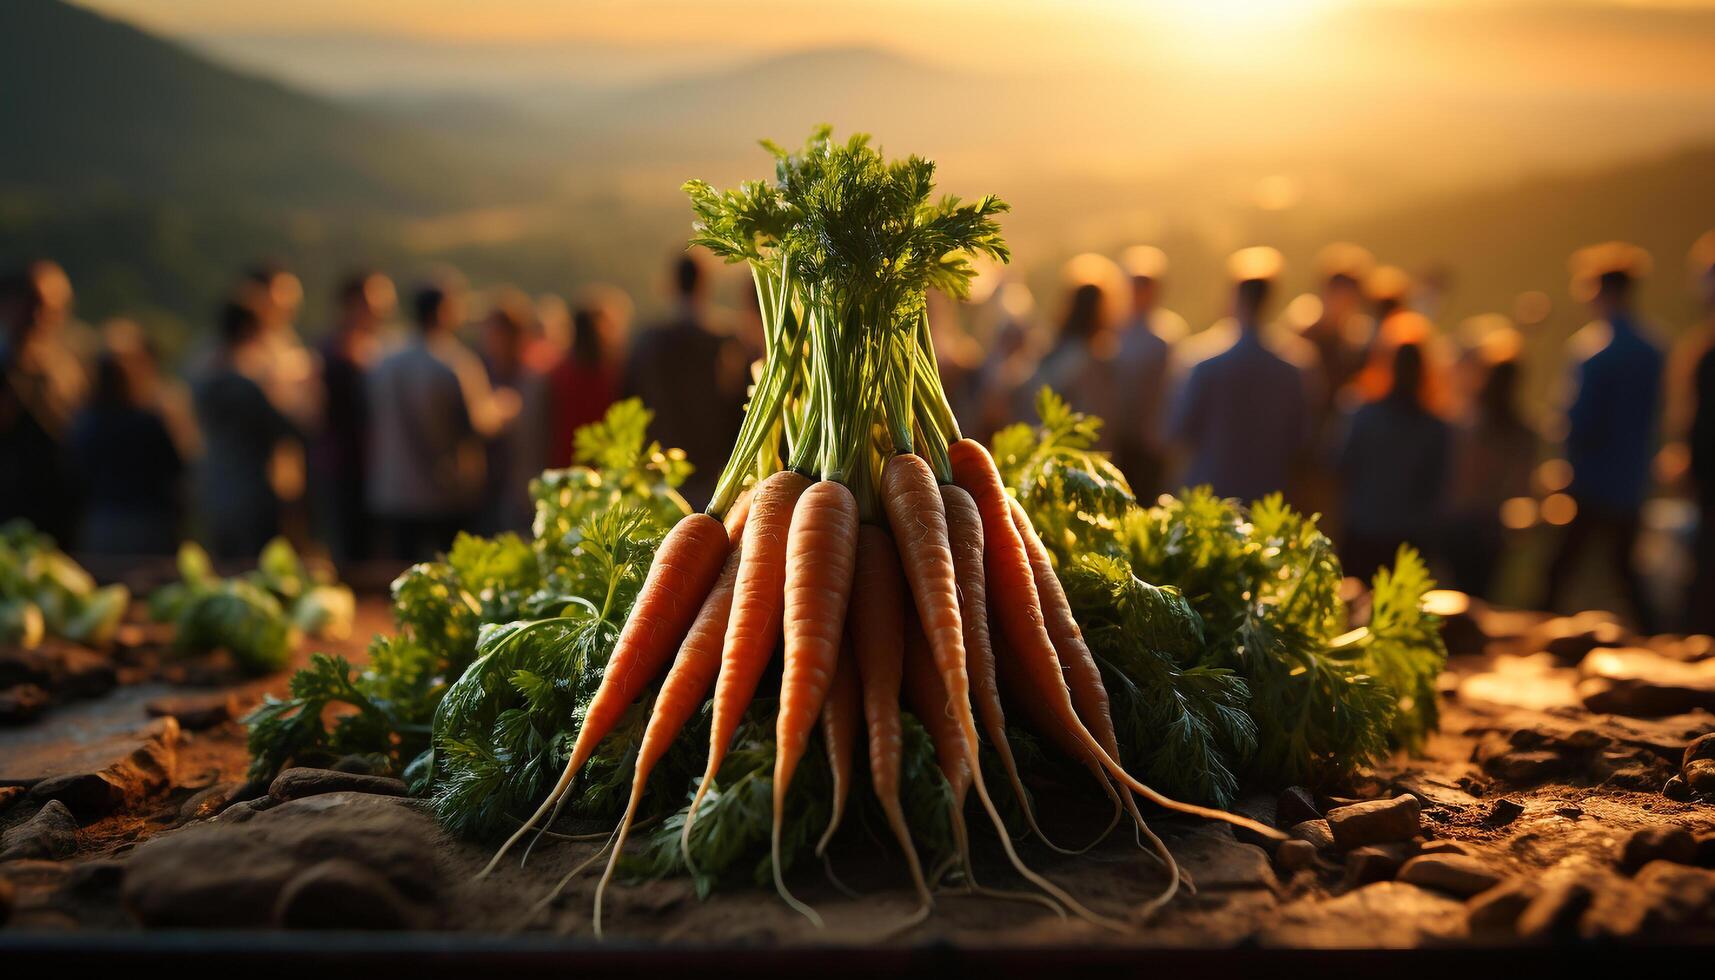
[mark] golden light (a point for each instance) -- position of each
(1518, 513)
(1559, 510)
(1553, 476)
(1277, 192)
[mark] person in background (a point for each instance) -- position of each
(1083, 366)
(1342, 332)
(517, 453)
(551, 337)
(1388, 288)
(430, 407)
(42, 385)
(586, 380)
(1611, 424)
(1494, 451)
(128, 467)
(365, 301)
(693, 377)
(1393, 470)
(1699, 435)
(241, 429)
(280, 363)
(1012, 356)
(1241, 417)
(1146, 340)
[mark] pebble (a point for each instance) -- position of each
(21, 703)
(1555, 911)
(1295, 854)
(1570, 638)
(1674, 844)
(1700, 776)
(1375, 822)
(296, 784)
(1701, 747)
(339, 894)
(1296, 805)
(1677, 789)
(1641, 683)
(1444, 847)
(1372, 863)
(195, 712)
(210, 802)
(1455, 874)
(1314, 831)
(10, 795)
(51, 834)
(1504, 812)
(115, 772)
(1498, 909)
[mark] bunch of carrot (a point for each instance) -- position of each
(856, 528)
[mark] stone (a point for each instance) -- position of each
(218, 874)
(1218, 862)
(1705, 857)
(21, 703)
(1678, 895)
(1642, 683)
(1555, 911)
(1456, 874)
(8, 898)
(1527, 767)
(195, 712)
(1497, 910)
(296, 784)
(210, 802)
(337, 895)
(109, 770)
(1375, 822)
(51, 834)
(1674, 844)
(1700, 777)
(1316, 832)
(1677, 789)
(1387, 915)
(10, 795)
(1444, 847)
(1503, 812)
(1295, 806)
(1569, 639)
(1293, 855)
(66, 671)
(1701, 747)
(1372, 863)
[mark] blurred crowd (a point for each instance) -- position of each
(382, 439)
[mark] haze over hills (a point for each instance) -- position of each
(154, 172)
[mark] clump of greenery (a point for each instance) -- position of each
(43, 592)
(1219, 628)
(257, 617)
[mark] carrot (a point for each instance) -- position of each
(878, 639)
(841, 713)
(680, 697)
(1012, 583)
(738, 515)
(965, 537)
(754, 624)
(914, 508)
(685, 566)
(821, 555)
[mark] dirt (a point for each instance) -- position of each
(1523, 778)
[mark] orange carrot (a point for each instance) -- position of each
(680, 697)
(841, 714)
(754, 625)
(914, 508)
(1012, 583)
(685, 567)
(821, 555)
(738, 514)
(878, 639)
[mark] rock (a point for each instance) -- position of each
(10, 795)
(1701, 747)
(51, 834)
(109, 771)
(1555, 910)
(1372, 863)
(89, 878)
(1498, 909)
(363, 765)
(1295, 854)
(1296, 805)
(1569, 639)
(1316, 832)
(1387, 914)
(1677, 789)
(66, 671)
(242, 811)
(1700, 777)
(8, 898)
(1674, 844)
(1455, 874)
(1217, 862)
(1705, 852)
(339, 894)
(224, 875)
(1678, 895)
(1528, 767)
(21, 703)
(1444, 847)
(1504, 812)
(210, 802)
(296, 784)
(1642, 683)
(1374, 822)
(195, 712)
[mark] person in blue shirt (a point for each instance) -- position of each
(1242, 416)
(1611, 425)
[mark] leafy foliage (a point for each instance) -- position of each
(44, 592)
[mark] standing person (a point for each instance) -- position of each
(586, 380)
(1146, 341)
(1342, 332)
(1611, 424)
(128, 467)
(241, 431)
(1083, 366)
(1242, 415)
(1494, 452)
(693, 378)
(1699, 434)
(42, 385)
(430, 407)
(339, 454)
(519, 452)
(1393, 467)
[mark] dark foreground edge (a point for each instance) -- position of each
(318, 956)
